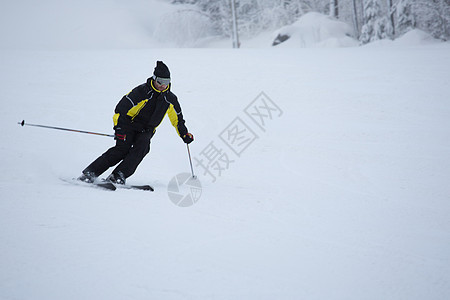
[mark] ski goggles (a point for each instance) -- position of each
(162, 81)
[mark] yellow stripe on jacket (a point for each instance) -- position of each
(173, 116)
(134, 111)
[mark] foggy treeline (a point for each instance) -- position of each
(370, 19)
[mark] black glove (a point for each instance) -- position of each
(120, 134)
(188, 138)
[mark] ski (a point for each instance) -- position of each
(144, 187)
(100, 185)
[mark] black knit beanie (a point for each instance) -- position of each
(161, 70)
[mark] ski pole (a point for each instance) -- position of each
(190, 161)
(65, 129)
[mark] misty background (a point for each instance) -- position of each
(66, 24)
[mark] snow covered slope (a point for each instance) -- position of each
(317, 30)
(343, 194)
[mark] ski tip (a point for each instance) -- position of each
(145, 187)
(149, 188)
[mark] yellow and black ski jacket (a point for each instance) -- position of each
(144, 108)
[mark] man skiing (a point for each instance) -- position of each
(136, 117)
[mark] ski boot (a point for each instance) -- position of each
(116, 178)
(87, 176)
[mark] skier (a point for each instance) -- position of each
(136, 117)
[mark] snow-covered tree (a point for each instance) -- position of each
(355, 18)
(433, 16)
(334, 8)
(405, 17)
(375, 24)
(390, 17)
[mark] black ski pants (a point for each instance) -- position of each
(131, 147)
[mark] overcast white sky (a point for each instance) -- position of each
(79, 23)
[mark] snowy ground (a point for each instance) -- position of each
(344, 196)
(342, 192)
